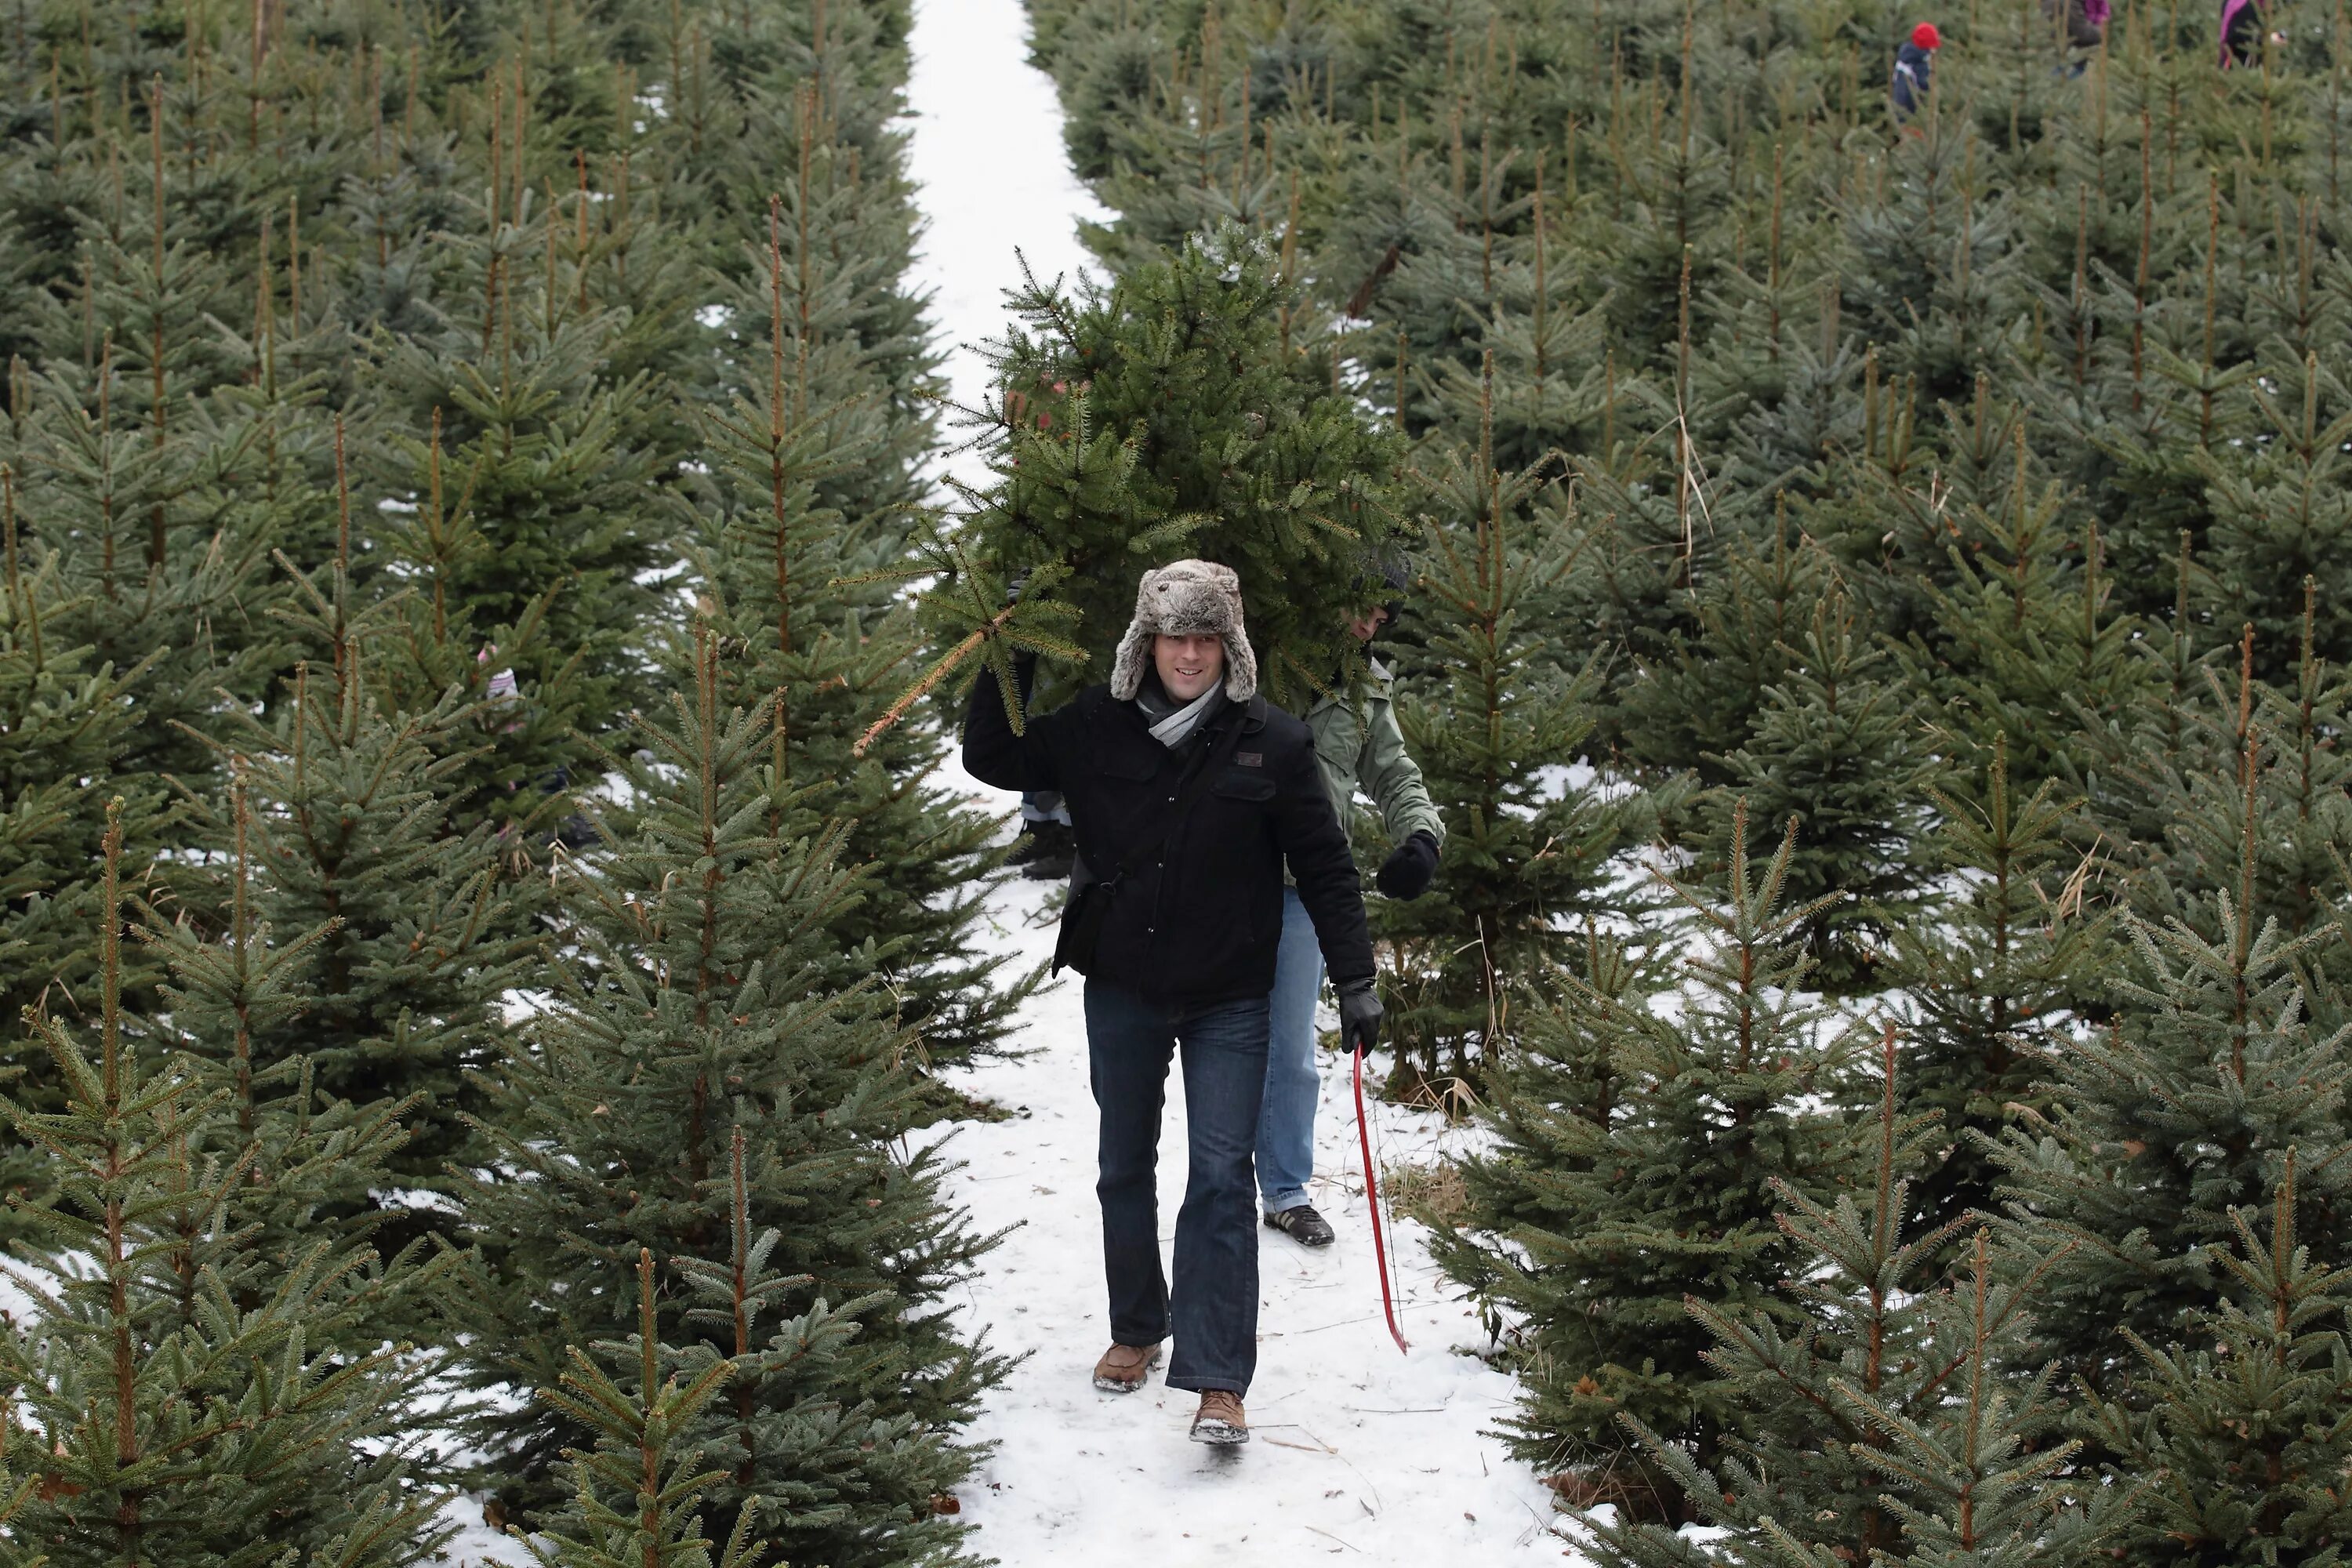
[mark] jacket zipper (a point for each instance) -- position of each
(1175, 839)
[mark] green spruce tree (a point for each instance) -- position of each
(689, 1004)
(1994, 974)
(635, 1494)
(2179, 1110)
(1183, 409)
(63, 721)
(1885, 1424)
(2243, 1427)
(1711, 680)
(801, 587)
(353, 814)
(1495, 715)
(1839, 749)
(195, 1380)
(1588, 1230)
(2239, 1425)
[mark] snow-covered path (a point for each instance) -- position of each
(988, 155)
(1358, 1452)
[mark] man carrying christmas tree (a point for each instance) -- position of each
(1188, 792)
(1356, 744)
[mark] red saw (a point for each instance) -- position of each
(1372, 1192)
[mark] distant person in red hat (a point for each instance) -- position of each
(1912, 63)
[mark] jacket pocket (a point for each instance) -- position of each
(1239, 783)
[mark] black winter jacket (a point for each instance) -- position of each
(1201, 921)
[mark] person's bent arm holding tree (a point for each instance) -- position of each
(1188, 792)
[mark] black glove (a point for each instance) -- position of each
(1405, 874)
(1359, 1016)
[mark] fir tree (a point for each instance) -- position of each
(353, 811)
(1930, 254)
(1550, 383)
(796, 586)
(1711, 680)
(2232, 786)
(512, 749)
(62, 720)
(316, 1164)
(126, 458)
(820, 223)
(190, 1384)
(1171, 413)
(1994, 974)
(2241, 1423)
(1883, 1424)
(2281, 510)
(2180, 1110)
(691, 1006)
(2311, 819)
(1591, 1232)
(558, 465)
(792, 1450)
(1838, 749)
(1560, 1078)
(1494, 720)
(2134, 766)
(636, 1492)
(1785, 370)
(2025, 648)
(1882, 511)
(164, 610)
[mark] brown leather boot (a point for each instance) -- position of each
(1220, 1420)
(1125, 1368)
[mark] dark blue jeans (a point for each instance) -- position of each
(1128, 1042)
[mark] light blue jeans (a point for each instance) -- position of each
(1285, 1124)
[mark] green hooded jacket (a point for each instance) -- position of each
(1359, 746)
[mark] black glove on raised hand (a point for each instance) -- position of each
(1406, 873)
(1359, 1016)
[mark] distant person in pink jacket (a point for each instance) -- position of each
(2085, 20)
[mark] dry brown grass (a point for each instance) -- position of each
(1432, 1192)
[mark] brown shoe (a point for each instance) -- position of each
(1221, 1420)
(1125, 1368)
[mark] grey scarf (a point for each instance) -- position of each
(1172, 725)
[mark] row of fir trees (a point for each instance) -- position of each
(466, 1000)
(1880, 603)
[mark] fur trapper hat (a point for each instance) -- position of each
(1179, 600)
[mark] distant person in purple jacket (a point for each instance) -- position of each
(1913, 64)
(2085, 21)
(2242, 32)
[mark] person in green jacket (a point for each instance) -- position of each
(1357, 745)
